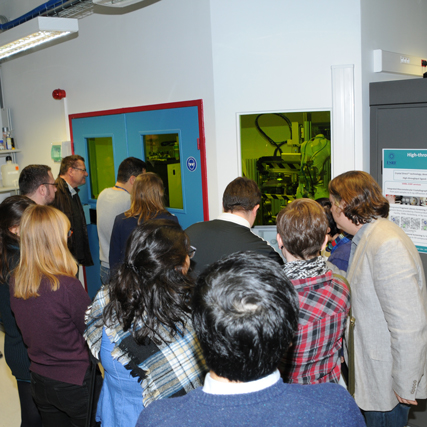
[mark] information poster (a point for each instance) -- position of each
(405, 187)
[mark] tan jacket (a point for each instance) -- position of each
(389, 301)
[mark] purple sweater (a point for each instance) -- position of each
(52, 326)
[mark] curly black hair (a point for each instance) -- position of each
(151, 285)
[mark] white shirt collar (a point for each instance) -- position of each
(72, 191)
(225, 216)
(212, 386)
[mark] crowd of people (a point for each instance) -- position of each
(210, 326)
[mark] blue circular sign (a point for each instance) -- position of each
(191, 164)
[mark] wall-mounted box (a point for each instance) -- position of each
(398, 63)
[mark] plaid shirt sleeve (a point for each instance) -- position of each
(314, 354)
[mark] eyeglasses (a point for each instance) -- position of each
(192, 251)
(50, 183)
(83, 170)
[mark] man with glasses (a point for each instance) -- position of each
(72, 174)
(37, 183)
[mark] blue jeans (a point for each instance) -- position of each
(397, 417)
(104, 273)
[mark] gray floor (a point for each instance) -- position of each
(10, 412)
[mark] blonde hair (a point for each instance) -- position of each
(44, 251)
(147, 197)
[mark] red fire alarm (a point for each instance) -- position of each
(59, 94)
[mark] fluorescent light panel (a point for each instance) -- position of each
(35, 32)
(116, 3)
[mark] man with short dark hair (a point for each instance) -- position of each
(112, 202)
(72, 174)
(231, 231)
(37, 183)
(245, 313)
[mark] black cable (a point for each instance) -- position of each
(274, 143)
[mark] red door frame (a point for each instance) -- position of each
(201, 143)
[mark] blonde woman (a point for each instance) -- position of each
(147, 203)
(49, 305)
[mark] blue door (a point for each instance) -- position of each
(167, 139)
(176, 134)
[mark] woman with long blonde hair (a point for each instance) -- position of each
(147, 202)
(49, 305)
(15, 352)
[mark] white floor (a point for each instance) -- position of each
(10, 412)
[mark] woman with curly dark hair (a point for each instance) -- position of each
(139, 326)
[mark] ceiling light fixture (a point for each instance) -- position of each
(35, 32)
(116, 3)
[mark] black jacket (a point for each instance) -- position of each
(78, 242)
(217, 238)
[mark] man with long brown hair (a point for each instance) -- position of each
(389, 302)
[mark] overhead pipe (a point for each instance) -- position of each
(51, 4)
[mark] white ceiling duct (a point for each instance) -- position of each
(116, 3)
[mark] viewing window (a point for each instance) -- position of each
(288, 155)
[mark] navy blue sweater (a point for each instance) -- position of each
(318, 405)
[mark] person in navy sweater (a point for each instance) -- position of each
(245, 314)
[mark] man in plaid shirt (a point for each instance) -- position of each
(324, 299)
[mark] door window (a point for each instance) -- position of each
(162, 157)
(101, 164)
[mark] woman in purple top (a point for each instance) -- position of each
(11, 210)
(147, 202)
(49, 304)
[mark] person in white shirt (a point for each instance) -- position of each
(112, 202)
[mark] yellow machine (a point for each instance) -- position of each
(297, 169)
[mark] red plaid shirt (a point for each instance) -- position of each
(314, 355)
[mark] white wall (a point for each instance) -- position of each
(393, 25)
(242, 56)
(157, 54)
(277, 56)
